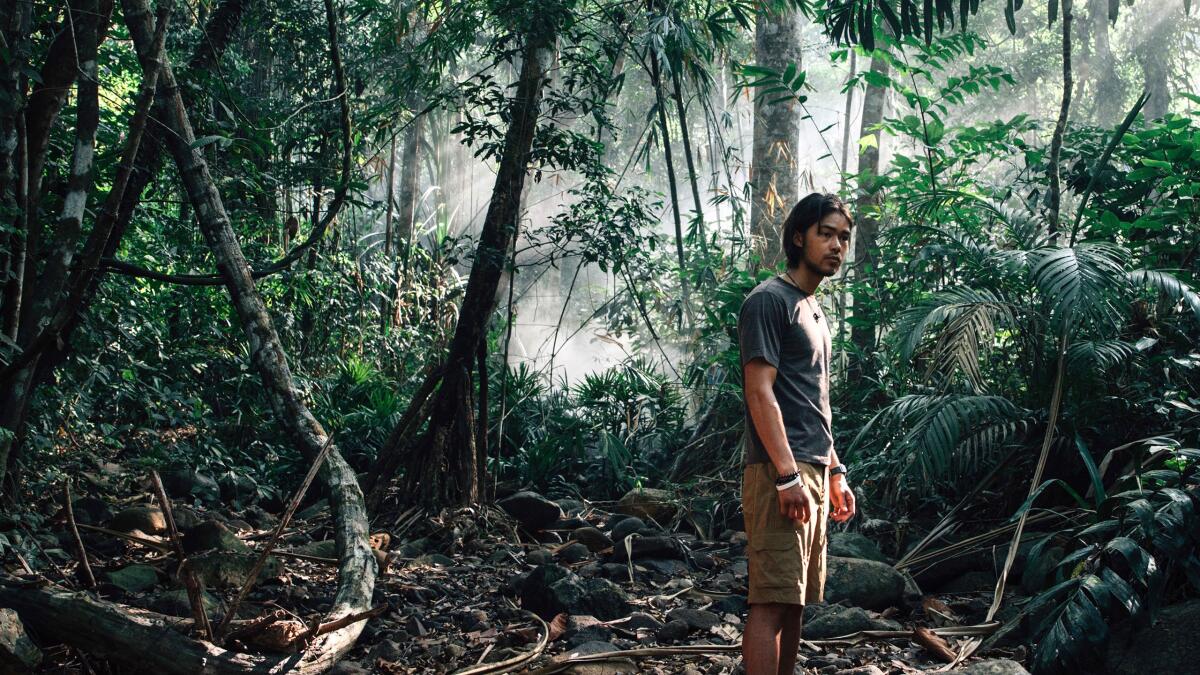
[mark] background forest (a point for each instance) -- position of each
(468, 249)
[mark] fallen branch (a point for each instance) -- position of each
(191, 583)
(148, 543)
(88, 577)
(283, 523)
(509, 664)
(843, 640)
(330, 626)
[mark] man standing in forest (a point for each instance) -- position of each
(792, 475)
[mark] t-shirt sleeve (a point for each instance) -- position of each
(761, 324)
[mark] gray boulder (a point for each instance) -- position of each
(863, 583)
(854, 545)
(657, 505)
(147, 519)
(696, 619)
(593, 538)
(658, 546)
(133, 578)
(1002, 667)
(532, 510)
(838, 620)
(549, 590)
(624, 528)
(18, 653)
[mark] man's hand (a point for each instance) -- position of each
(841, 498)
(796, 504)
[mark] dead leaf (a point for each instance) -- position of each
(558, 626)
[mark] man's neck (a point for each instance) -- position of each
(805, 278)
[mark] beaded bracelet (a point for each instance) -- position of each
(783, 486)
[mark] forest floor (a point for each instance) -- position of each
(464, 589)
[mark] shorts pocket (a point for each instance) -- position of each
(776, 560)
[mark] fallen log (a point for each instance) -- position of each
(148, 641)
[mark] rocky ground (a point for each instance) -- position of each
(537, 583)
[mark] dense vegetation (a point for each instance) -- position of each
(499, 244)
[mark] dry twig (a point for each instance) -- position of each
(88, 577)
(190, 582)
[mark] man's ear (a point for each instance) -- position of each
(798, 238)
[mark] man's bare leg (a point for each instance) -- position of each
(789, 638)
(771, 638)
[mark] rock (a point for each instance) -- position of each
(347, 668)
(212, 535)
(838, 620)
(570, 523)
(1165, 646)
(18, 653)
(91, 511)
(1008, 667)
(584, 628)
(854, 545)
(659, 546)
(677, 629)
(573, 553)
(624, 528)
(414, 548)
(572, 507)
(434, 559)
(642, 620)
(237, 487)
(388, 650)
(696, 619)
(147, 519)
(321, 549)
(863, 583)
(731, 604)
(190, 484)
(669, 568)
(862, 670)
(225, 569)
(592, 538)
(539, 556)
(259, 518)
(550, 590)
(313, 510)
(176, 603)
(615, 667)
(649, 503)
(133, 578)
(532, 510)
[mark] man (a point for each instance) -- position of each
(792, 475)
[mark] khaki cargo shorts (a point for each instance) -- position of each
(787, 558)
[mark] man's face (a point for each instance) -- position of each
(825, 244)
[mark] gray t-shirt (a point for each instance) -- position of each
(784, 326)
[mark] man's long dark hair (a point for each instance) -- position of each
(806, 213)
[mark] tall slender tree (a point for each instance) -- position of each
(774, 170)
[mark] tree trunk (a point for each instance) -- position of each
(686, 136)
(441, 466)
(406, 207)
(1155, 50)
(356, 572)
(774, 172)
(672, 184)
(866, 230)
(1060, 128)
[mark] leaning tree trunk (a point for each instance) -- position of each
(774, 172)
(866, 230)
(356, 572)
(18, 385)
(441, 467)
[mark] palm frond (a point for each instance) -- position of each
(1169, 285)
(1099, 355)
(938, 431)
(1082, 280)
(968, 319)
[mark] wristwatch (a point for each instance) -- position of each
(838, 468)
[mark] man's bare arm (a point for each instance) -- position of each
(795, 502)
